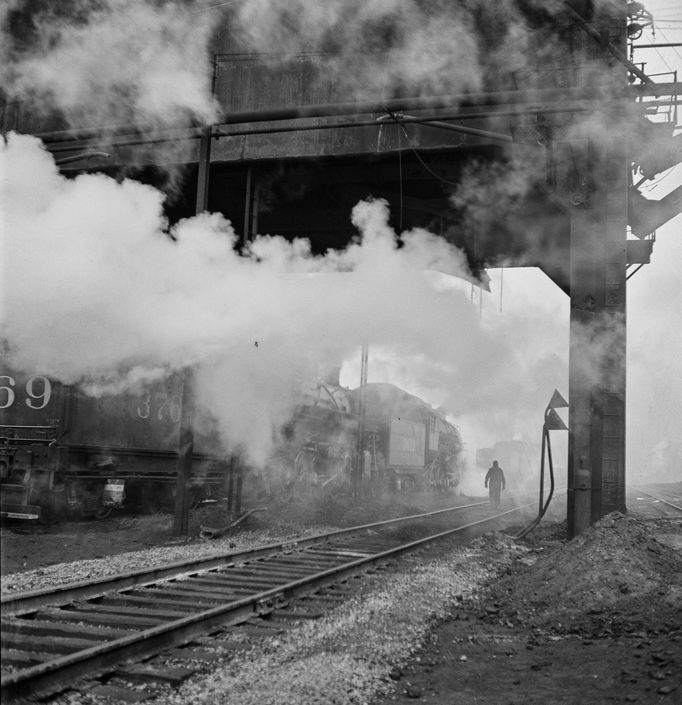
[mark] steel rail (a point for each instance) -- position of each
(38, 679)
(659, 498)
(28, 601)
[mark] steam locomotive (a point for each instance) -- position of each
(407, 442)
(65, 453)
(374, 437)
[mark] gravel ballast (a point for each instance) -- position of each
(75, 571)
(348, 657)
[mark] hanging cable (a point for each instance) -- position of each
(400, 179)
(552, 421)
(396, 117)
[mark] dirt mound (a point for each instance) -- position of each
(614, 578)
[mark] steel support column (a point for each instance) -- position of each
(596, 455)
(186, 430)
(359, 465)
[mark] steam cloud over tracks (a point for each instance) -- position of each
(98, 290)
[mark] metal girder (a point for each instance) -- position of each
(561, 97)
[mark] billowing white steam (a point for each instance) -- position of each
(95, 289)
(115, 61)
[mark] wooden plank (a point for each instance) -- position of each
(257, 630)
(129, 610)
(274, 570)
(302, 563)
(228, 593)
(46, 644)
(187, 605)
(146, 673)
(329, 599)
(295, 614)
(117, 694)
(208, 598)
(221, 583)
(228, 644)
(40, 628)
(101, 618)
(198, 588)
(198, 655)
(16, 658)
(267, 572)
(238, 582)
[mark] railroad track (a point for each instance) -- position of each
(669, 499)
(51, 638)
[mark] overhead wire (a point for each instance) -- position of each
(396, 118)
(658, 51)
(652, 185)
(665, 36)
(218, 6)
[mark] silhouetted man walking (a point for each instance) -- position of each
(495, 479)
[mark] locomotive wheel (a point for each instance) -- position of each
(103, 512)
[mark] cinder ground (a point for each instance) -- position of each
(595, 620)
(589, 622)
(27, 547)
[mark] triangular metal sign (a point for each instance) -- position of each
(557, 401)
(553, 422)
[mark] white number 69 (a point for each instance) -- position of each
(38, 400)
(10, 392)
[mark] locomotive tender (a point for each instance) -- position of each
(63, 452)
(407, 441)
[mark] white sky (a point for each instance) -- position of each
(655, 301)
